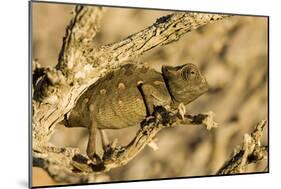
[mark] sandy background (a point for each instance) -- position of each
(232, 54)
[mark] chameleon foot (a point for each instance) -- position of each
(95, 158)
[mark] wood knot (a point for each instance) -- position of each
(163, 19)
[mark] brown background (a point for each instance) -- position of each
(232, 54)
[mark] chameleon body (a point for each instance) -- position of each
(123, 98)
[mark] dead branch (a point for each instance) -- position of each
(79, 66)
(76, 168)
(251, 151)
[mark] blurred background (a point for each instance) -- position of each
(232, 54)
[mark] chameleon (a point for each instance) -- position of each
(125, 97)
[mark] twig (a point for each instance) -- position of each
(79, 66)
(251, 152)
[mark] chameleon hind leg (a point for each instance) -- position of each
(92, 142)
(104, 139)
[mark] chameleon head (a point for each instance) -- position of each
(185, 82)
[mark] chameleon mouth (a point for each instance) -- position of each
(169, 70)
(164, 69)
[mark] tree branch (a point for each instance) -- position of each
(251, 151)
(79, 66)
(165, 30)
(68, 164)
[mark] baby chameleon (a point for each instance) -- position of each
(125, 97)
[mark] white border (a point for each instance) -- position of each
(14, 106)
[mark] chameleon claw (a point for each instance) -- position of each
(110, 147)
(114, 143)
(182, 110)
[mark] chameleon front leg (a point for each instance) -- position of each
(91, 148)
(155, 94)
(158, 95)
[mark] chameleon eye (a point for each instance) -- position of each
(188, 73)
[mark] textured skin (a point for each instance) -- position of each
(116, 101)
(125, 97)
